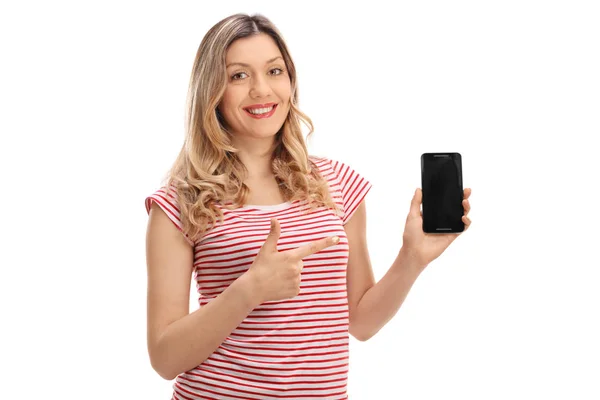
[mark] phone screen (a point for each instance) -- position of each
(441, 181)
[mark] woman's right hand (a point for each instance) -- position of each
(276, 275)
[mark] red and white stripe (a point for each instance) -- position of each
(291, 349)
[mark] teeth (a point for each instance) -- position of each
(258, 111)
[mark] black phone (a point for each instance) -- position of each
(441, 183)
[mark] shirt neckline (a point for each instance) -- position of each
(270, 207)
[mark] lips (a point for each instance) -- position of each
(260, 111)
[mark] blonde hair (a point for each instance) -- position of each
(207, 170)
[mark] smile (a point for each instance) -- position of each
(260, 111)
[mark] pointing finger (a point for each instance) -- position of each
(312, 248)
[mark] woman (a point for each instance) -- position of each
(275, 238)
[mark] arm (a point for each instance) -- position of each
(177, 340)
(372, 304)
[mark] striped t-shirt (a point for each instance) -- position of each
(291, 349)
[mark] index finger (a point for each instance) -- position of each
(312, 248)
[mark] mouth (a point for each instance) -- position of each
(260, 111)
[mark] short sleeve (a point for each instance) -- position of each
(353, 187)
(168, 203)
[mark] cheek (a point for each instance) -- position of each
(232, 98)
(285, 90)
(227, 108)
(226, 103)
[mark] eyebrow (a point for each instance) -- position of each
(248, 65)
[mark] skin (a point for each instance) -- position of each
(372, 305)
(173, 332)
(256, 75)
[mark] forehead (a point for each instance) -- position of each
(254, 50)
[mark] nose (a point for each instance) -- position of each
(259, 87)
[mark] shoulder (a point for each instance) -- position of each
(166, 199)
(326, 166)
(349, 186)
(335, 171)
(319, 161)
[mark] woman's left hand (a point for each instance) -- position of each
(421, 247)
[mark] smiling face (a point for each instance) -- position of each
(256, 101)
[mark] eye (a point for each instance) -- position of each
(238, 76)
(276, 71)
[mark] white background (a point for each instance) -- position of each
(92, 108)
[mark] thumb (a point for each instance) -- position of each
(270, 244)
(415, 204)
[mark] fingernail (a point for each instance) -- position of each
(335, 240)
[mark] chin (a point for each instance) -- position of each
(264, 133)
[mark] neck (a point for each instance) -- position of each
(256, 155)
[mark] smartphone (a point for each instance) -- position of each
(441, 183)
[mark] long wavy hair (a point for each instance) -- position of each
(207, 173)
